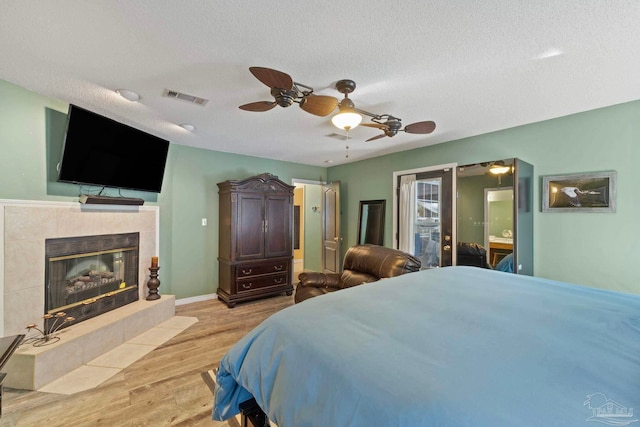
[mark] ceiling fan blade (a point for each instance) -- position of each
(420, 127)
(374, 125)
(382, 135)
(258, 106)
(319, 105)
(272, 78)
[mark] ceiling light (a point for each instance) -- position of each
(346, 120)
(187, 126)
(499, 169)
(128, 94)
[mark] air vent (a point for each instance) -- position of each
(184, 97)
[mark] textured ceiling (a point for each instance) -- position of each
(471, 66)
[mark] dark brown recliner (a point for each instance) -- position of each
(473, 254)
(362, 264)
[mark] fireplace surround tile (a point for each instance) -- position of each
(99, 341)
(138, 323)
(122, 356)
(22, 307)
(155, 336)
(24, 227)
(24, 257)
(76, 381)
(29, 223)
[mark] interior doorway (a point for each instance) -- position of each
(307, 202)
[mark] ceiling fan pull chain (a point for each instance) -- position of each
(346, 156)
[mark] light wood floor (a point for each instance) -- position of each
(164, 388)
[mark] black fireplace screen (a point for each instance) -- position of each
(89, 275)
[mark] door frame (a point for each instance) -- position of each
(295, 181)
(454, 216)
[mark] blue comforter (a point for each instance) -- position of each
(457, 346)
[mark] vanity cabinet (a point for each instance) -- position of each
(255, 238)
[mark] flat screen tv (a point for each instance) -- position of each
(103, 152)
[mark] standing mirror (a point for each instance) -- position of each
(371, 222)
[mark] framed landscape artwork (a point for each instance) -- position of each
(586, 192)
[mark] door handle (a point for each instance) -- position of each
(446, 248)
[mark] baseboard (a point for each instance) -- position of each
(199, 298)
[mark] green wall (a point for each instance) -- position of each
(313, 227)
(587, 248)
(31, 138)
(593, 249)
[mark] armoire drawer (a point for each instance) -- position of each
(263, 268)
(258, 282)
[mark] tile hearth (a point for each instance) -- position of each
(109, 364)
(31, 368)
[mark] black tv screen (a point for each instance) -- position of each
(103, 152)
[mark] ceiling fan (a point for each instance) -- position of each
(286, 92)
(389, 124)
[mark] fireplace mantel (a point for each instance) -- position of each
(24, 226)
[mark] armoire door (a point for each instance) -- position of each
(277, 226)
(250, 226)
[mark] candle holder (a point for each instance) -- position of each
(153, 283)
(47, 334)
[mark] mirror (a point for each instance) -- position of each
(498, 225)
(494, 212)
(371, 222)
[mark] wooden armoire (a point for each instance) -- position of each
(255, 238)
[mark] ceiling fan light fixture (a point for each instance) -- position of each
(346, 120)
(499, 169)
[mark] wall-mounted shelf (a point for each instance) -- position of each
(89, 199)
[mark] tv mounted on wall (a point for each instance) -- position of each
(103, 152)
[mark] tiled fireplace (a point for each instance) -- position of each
(25, 226)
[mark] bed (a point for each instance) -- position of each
(455, 346)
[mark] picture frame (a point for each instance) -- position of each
(582, 192)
